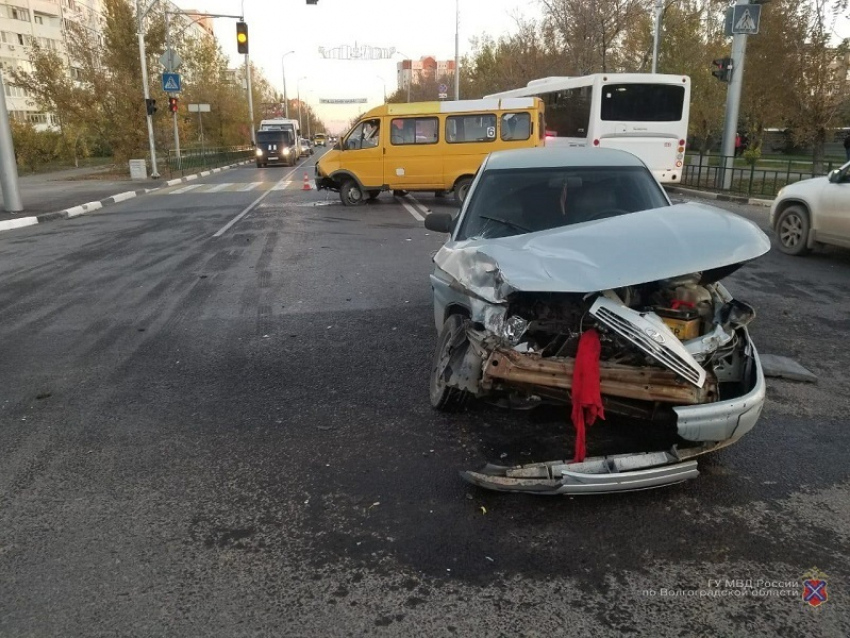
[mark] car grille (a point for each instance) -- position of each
(665, 348)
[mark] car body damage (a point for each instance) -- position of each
(675, 348)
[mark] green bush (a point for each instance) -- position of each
(34, 149)
(752, 155)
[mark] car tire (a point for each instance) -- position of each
(452, 336)
(373, 194)
(399, 193)
(792, 231)
(350, 193)
(461, 189)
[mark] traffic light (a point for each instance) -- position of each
(150, 106)
(172, 104)
(722, 69)
(242, 37)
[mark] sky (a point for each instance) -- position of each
(414, 29)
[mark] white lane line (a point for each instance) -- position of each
(186, 189)
(282, 186)
(420, 205)
(254, 204)
(410, 209)
(250, 187)
(219, 187)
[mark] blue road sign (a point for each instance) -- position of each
(171, 82)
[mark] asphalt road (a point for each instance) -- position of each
(216, 429)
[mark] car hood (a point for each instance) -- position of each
(632, 249)
(805, 186)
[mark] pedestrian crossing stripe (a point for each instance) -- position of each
(227, 187)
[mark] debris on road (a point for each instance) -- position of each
(779, 367)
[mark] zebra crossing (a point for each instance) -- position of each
(229, 187)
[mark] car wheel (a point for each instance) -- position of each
(399, 193)
(373, 194)
(452, 337)
(350, 193)
(462, 189)
(792, 229)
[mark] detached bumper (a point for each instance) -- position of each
(598, 475)
(325, 183)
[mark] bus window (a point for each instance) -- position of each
(470, 128)
(414, 130)
(568, 112)
(642, 102)
(516, 126)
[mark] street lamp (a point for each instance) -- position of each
(285, 100)
(457, 49)
(384, 82)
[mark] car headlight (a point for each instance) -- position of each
(513, 329)
(286, 151)
(259, 152)
(779, 194)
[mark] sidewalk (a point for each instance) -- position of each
(722, 197)
(50, 192)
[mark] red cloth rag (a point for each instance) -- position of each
(587, 399)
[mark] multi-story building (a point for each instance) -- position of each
(424, 69)
(24, 23)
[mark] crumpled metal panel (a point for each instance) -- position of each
(631, 249)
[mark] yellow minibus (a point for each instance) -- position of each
(426, 146)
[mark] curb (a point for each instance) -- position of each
(90, 207)
(753, 201)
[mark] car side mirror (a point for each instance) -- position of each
(834, 176)
(440, 222)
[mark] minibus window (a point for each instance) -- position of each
(516, 126)
(470, 128)
(414, 130)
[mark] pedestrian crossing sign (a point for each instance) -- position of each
(745, 19)
(171, 82)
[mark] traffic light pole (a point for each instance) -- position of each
(170, 69)
(8, 166)
(250, 97)
(143, 58)
(733, 104)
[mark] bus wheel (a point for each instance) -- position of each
(350, 193)
(462, 189)
(373, 194)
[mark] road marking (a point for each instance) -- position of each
(420, 205)
(282, 186)
(410, 209)
(250, 187)
(219, 187)
(256, 202)
(186, 189)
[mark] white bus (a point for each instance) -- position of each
(281, 124)
(643, 113)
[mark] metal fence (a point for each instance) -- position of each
(194, 159)
(764, 178)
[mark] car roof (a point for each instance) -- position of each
(560, 156)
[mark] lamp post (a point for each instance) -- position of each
(285, 98)
(659, 8)
(457, 50)
(298, 88)
(384, 82)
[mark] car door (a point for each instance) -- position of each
(363, 154)
(414, 159)
(834, 216)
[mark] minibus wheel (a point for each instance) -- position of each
(462, 189)
(350, 193)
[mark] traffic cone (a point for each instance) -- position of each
(306, 186)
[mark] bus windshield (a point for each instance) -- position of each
(274, 137)
(642, 102)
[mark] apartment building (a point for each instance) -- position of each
(24, 23)
(426, 68)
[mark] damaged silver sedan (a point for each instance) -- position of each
(569, 278)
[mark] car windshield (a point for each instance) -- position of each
(516, 201)
(274, 137)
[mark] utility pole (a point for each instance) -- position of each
(174, 113)
(659, 7)
(285, 98)
(140, 33)
(8, 166)
(457, 51)
(733, 103)
(300, 120)
(250, 98)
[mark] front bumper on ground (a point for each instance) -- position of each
(597, 475)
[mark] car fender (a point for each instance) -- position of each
(795, 200)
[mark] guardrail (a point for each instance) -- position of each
(758, 179)
(195, 159)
